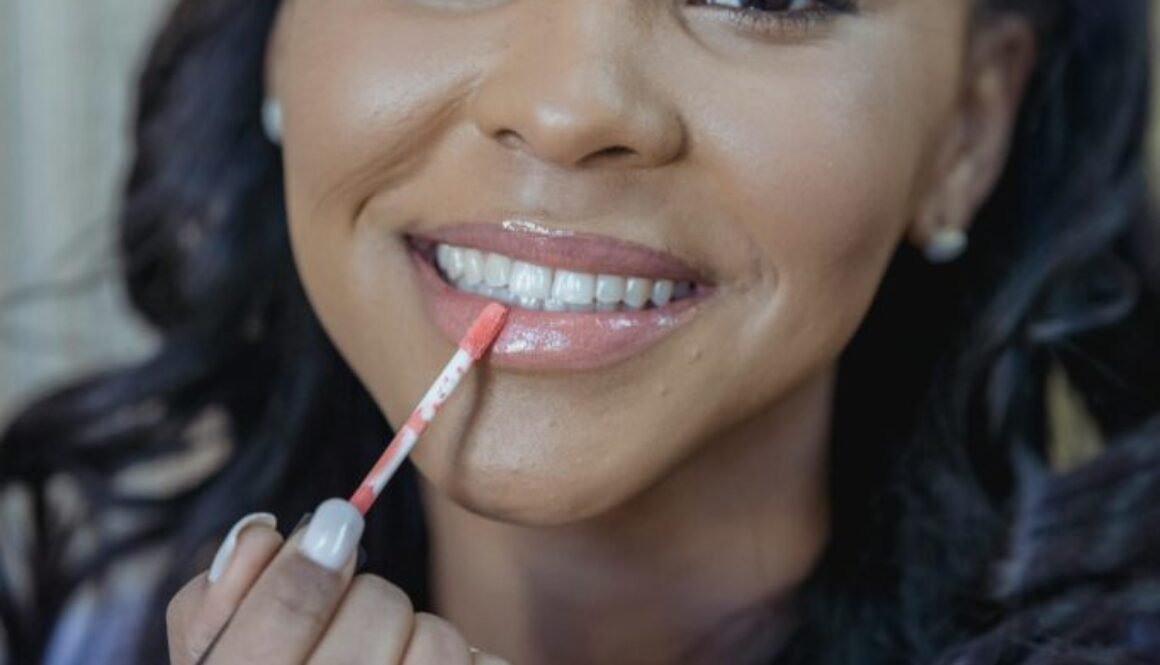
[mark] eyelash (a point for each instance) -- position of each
(766, 20)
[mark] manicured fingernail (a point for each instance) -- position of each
(333, 534)
(225, 553)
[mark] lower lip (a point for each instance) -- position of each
(549, 340)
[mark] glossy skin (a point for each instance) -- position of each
(683, 490)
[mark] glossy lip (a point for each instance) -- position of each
(550, 341)
(580, 252)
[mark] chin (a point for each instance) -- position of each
(524, 495)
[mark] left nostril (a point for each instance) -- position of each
(509, 138)
(615, 153)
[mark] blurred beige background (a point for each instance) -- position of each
(66, 71)
(66, 74)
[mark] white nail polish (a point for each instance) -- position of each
(333, 534)
(226, 552)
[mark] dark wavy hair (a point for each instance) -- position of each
(954, 540)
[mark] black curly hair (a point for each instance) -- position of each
(953, 540)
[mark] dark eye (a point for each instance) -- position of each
(767, 5)
(795, 15)
(783, 8)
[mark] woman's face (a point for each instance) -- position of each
(774, 158)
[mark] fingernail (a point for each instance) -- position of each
(225, 553)
(333, 534)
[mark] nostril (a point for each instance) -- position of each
(615, 151)
(509, 138)
(614, 154)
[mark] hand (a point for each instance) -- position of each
(273, 603)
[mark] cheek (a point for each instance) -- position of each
(819, 173)
(364, 100)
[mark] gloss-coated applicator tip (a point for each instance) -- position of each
(484, 330)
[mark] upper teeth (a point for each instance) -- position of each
(532, 286)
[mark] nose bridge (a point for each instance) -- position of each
(570, 88)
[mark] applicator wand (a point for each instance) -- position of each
(479, 338)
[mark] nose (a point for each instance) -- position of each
(571, 91)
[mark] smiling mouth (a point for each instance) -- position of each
(535, 287)
(558, 272)
(578, 302)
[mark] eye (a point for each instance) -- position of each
(770, 14)
(766, 5)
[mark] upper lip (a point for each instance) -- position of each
(536, 243)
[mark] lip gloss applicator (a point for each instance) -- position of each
(479, 338)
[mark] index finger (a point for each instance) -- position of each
(288, 609)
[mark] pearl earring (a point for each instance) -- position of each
(946, 246)
(272, 120)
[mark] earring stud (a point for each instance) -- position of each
(272, 120)
(946, 246)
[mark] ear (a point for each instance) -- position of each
(999, 62)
